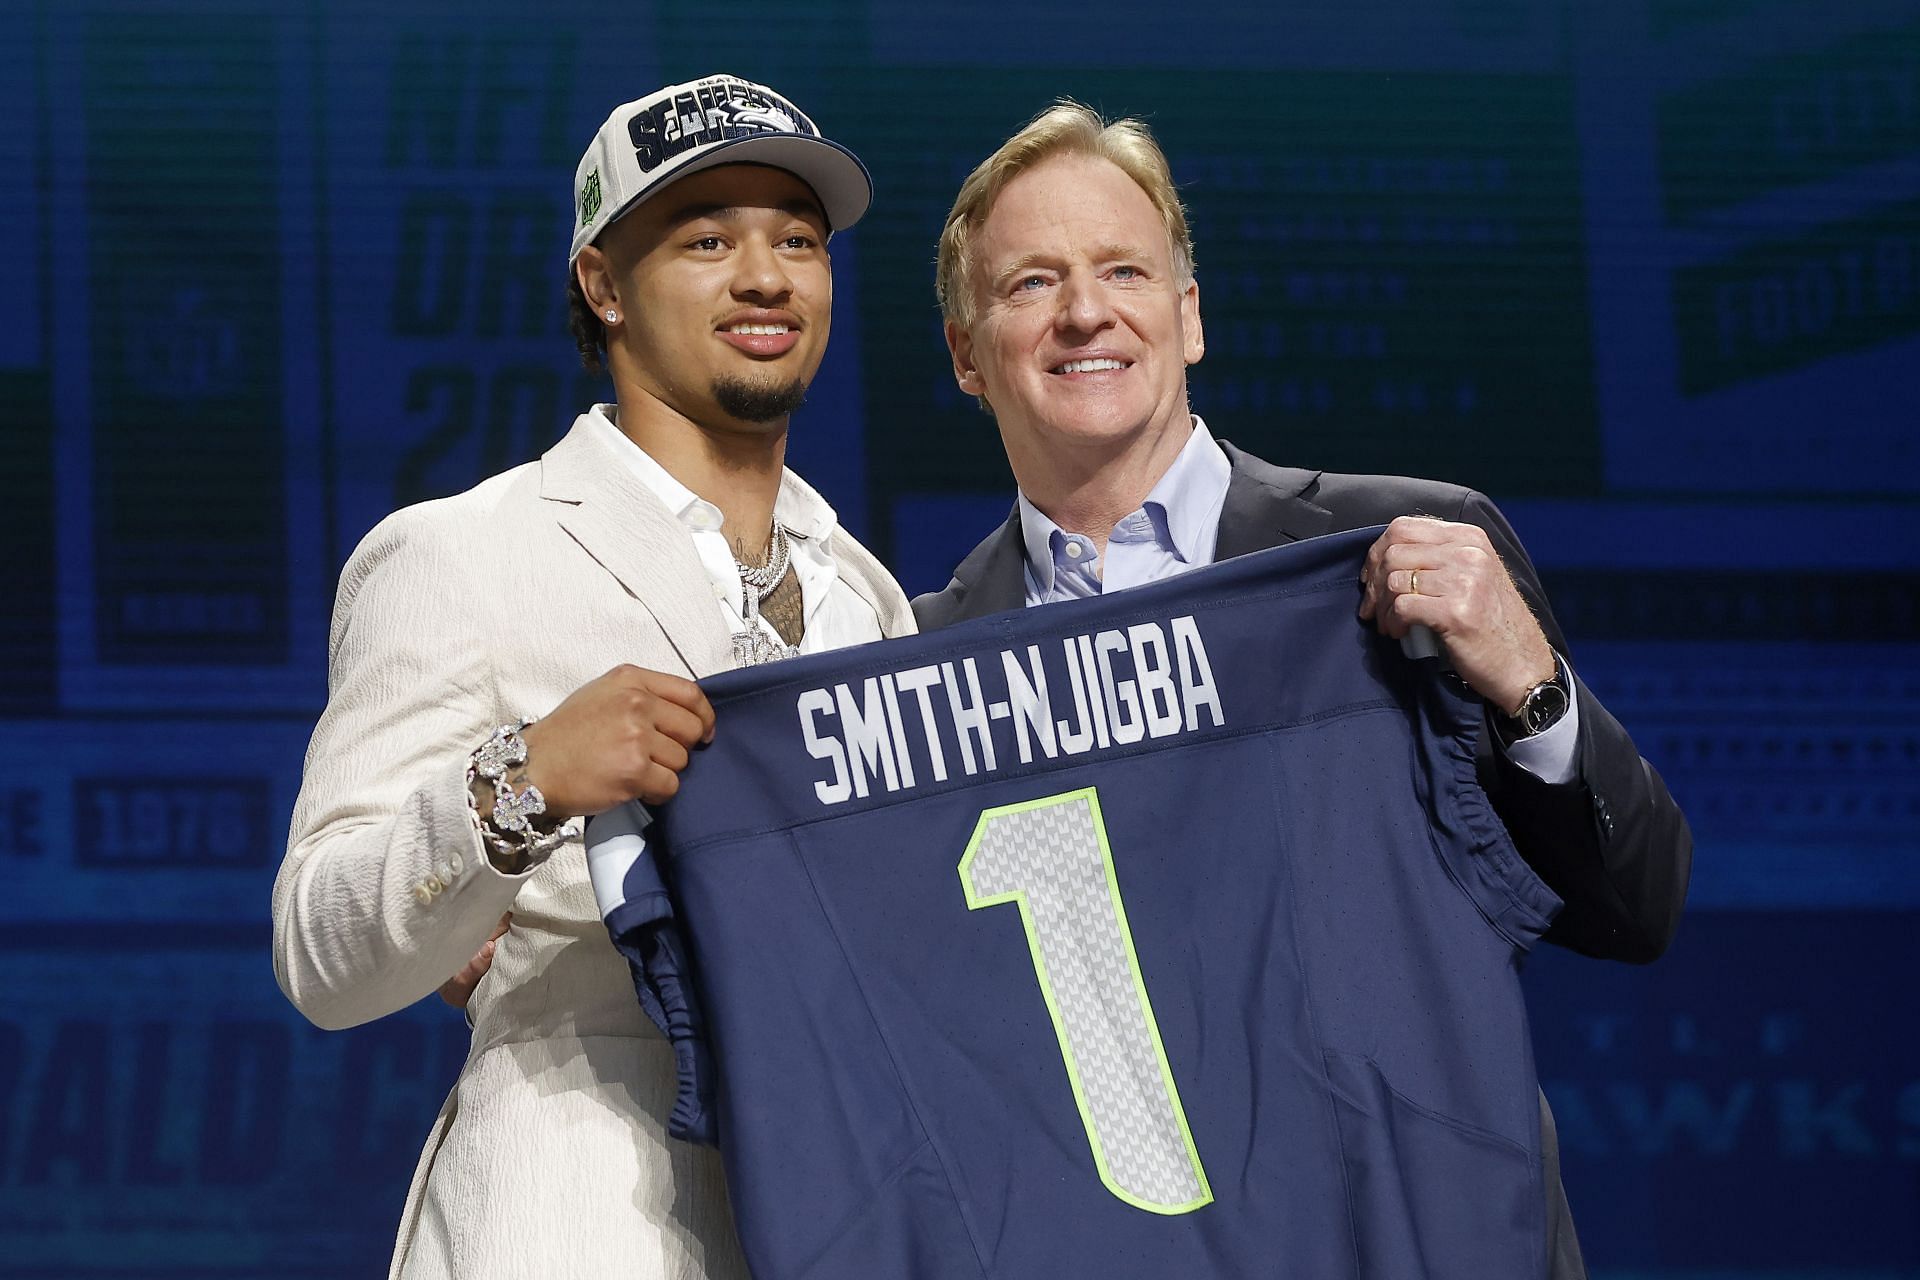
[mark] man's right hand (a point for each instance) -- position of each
(624, 736)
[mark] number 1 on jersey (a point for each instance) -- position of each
(1050, 857)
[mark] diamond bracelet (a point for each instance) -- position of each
(509, 833)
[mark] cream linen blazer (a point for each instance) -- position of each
(550, 1158)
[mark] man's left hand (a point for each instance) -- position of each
(1447, 577)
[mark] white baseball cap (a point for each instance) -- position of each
(684, 128)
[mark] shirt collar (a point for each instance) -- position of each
(1189, 496)
(798, 506)
(1039, 534)
(1183, 507)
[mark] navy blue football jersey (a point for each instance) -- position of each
(1161, 934)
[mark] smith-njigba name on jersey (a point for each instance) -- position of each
(1087, 692)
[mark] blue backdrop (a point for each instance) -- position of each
(1646, 270)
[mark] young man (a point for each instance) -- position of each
(1065, 273)
(659, 541)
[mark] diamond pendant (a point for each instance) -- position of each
(753, 646)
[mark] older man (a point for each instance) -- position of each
(1066, 277)
(662, 531)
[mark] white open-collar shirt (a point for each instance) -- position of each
(834, 613)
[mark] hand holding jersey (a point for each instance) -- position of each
(1425, 572)
(624, 736)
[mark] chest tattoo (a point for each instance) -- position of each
(785, 609)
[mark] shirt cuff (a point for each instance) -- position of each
(1552, 754)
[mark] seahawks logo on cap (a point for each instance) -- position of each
(716, 111)
(590, 198)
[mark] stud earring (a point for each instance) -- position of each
(612, 316)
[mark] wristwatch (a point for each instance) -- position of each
(1540, 709)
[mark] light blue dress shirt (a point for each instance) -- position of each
(1172, 531)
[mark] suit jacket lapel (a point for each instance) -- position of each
(993, 577)
(618, 521)
(870, 581)
(861, 587)
(1264, 507)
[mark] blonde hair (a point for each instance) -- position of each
(1065, 128)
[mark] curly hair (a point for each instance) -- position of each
(589, 334)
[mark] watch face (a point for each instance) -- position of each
(1544, 707)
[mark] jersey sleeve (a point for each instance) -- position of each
(636, 903)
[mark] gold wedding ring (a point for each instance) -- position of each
(1413, 583)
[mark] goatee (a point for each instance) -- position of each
(758, 401)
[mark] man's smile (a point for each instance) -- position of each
(1090, 364)
(761, 333)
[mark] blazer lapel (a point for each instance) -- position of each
(1264, 507)
(861, 587)
(870, 581)
(626, 529)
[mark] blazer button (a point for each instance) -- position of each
(421, 893)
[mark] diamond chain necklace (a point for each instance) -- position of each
(753, 645)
